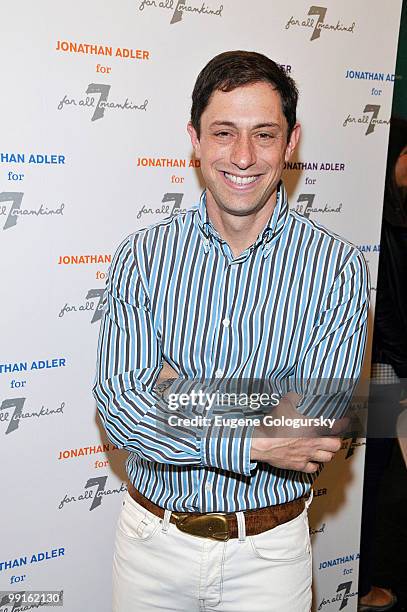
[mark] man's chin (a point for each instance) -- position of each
(242, 208)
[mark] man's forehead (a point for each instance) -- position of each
(260, 93)
(256, 103)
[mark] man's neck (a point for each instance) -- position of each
(240, 232)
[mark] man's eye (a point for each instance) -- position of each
(222, 133)
(265, 136)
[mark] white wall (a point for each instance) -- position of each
(98, 193)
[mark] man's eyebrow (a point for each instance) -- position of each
(265, 125)
(255, 127)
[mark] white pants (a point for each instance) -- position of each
(157, 567)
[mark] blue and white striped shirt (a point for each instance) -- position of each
(294, 303)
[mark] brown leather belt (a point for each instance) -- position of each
(221, 525)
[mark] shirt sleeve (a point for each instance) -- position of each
(134, 414)
(331, 358)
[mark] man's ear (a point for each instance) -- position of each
(293, 141)
(194, 139)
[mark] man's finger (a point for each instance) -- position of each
(311, 467)
(322, 456)
(329, 444)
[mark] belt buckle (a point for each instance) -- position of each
(213, 525)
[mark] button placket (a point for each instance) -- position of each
(224, 322)
(219, 328)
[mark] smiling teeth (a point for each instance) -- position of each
(240, 180)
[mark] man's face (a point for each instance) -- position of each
(243, 147)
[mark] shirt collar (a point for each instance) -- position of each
(277, 222)
(203, 218)
(267, 236)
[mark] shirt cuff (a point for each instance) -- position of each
(228, 447)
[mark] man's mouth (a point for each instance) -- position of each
(240, 180)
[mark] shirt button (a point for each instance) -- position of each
(218, 373)
(226, 322)
(206, 242)
(208, 486)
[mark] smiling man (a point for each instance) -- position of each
(237, 287)
(242, 160)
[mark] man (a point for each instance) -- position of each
(236, 288)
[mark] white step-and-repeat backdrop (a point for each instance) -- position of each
(94, 105)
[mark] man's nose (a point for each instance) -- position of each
(243, 153)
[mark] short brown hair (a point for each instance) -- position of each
(233, 69)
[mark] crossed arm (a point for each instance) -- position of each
(302, 454)
(129, 362)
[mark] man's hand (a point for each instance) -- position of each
(303, 454)
(300, 454)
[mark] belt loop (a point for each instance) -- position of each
(309, 500)
(166, 521)
(241, 526)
